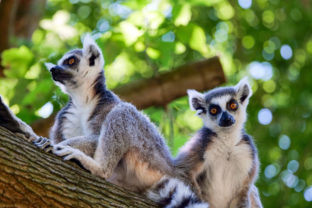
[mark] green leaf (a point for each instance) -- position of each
(17, 61)
(198, 40)
(112, 47)
(204, 2)
(130, 32)
(194, 36)
(181, 14)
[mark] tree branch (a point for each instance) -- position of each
(30, 177)
(162, 89)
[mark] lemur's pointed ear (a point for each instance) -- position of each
(243, 90)
(196, 101)
(92, 51)
(49, 66)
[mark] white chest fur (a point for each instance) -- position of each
(229, 166)
(77, 120)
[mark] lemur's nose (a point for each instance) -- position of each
(55, 69)
(226, 120)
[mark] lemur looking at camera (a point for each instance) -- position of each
(220, 161)
(109, 137)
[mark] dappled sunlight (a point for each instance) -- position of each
(120, 71)
(265, 116)
(46, 110)
(245, 4)
(284, 142)
(58, 24)
(259, 70)
(270, 171)
(286, 52)
(308, 194)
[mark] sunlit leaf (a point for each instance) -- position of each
(195, 36)
(130, 32)
(182, 14)
(17, 61)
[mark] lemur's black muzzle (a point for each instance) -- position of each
(59, 74)
(226, 120)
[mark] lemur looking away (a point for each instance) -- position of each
(109, 137)
(220, 161)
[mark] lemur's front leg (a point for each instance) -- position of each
(242, 200)
(255, 198)
(109, 150)
(86, 161)
(85, 144)
(43, 143)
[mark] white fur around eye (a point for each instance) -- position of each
(199, 112)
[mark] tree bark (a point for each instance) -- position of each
(162, 89)
(30, 177)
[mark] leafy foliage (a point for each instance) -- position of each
(268, 40)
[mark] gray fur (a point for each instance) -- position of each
(221, 163)
(109, 137)
(14, 124)
(219, 92)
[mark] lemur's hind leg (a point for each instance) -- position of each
(118, 130)
(110, 149)
(101, 164)
(87, 162)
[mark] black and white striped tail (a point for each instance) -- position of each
(173, 193)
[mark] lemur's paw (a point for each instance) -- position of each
(43, 143)
(67, 152)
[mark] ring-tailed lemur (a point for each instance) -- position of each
(109, 137)
(220, 160)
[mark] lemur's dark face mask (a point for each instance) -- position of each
(59, 74)
(63, 73)
(224, 117)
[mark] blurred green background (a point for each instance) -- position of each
(269, 41)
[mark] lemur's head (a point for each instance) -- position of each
(222, 108)
(78, 66)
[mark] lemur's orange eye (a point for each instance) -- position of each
(213, 111)
(233, 105)
(71, 61)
